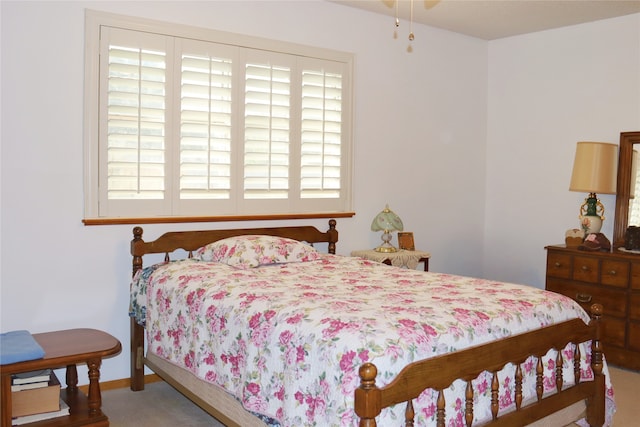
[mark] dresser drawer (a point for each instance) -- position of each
(586, 269)
(615, 273)
(634, 337)
(613, 302)
(635, 276)
(614, 331)
(559, 265)
(634, 307)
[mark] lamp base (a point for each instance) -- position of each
(386, 249)
(590, 224)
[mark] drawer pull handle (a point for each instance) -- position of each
(612, 273)
(584, 298)
(558, 265)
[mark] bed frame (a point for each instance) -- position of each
(437, 373)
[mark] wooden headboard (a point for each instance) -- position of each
(193, 240)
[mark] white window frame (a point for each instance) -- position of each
(95, 195)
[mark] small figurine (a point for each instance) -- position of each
(573, 237)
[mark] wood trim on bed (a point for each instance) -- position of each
(191, 241)
(440, 372)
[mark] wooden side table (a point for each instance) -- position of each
(67, 349)
(401, 258)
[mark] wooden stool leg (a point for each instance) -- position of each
(72, 379)
(6, 401)
(95, 399)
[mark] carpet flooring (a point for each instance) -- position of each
(159, 405)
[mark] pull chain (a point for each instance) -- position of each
(411, 37)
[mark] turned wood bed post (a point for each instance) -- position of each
(137, 352)
(333, 236)
(596, 410)
(368, 396)
(136, 331)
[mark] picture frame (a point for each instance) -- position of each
(405, 241)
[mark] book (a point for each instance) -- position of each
(31, 377)
(29, 386)
(64, 410)
(37, 400)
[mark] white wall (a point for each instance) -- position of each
(547, 91)
(420, 126)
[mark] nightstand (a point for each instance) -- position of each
(401, 258)
(66, 349)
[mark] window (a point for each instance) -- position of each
(185, 121)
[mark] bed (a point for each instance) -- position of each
(258, 327)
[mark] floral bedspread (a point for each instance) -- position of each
(287, 339)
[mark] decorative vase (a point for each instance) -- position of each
(590, 224)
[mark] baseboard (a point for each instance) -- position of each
(121, 383)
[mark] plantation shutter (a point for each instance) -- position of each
(192, 127)
(321, 134)
(135, 91)
(207, 84)
(267, 127)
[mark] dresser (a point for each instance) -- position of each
(611, 279)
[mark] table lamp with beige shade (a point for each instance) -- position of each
(595, 170)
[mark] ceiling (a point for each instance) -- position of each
(494, 19)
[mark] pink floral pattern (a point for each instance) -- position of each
(255, 250)
(287, 340)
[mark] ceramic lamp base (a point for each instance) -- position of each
(386, 246)
(591, 224)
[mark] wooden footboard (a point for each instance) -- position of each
(193, 240)
(440, 372)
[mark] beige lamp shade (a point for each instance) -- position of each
(595, 168)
